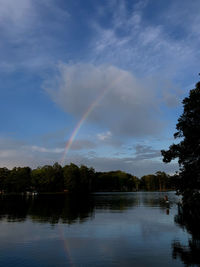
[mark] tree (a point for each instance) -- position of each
(188, 150)
(162, 178)
(149, 182)
(72, 178)
(18, 180)
(58, 181)
(4, 173)
(86, 178)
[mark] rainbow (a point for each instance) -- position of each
(65, 244)
(80, 123)
(85, 116)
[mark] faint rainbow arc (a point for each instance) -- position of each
(85, 115)
(80, 123)
(66, 245)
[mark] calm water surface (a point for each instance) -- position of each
(110, 229)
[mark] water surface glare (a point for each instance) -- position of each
(105, 229)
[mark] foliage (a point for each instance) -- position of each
(188, 150)
(78, 179)
(47, 178)
(4, 172)
(75, 179)
(72, 177)
(16, 180)
(116, 181)
(156, 182)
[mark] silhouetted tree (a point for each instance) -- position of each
(58, 181)
(116, 181)
(149, 182)
(18, 180)
(72, 178)
(86, 178)
(188, 150)
(4, 173)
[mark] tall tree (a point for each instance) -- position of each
(18, 180)
(72, 178)
(188, 150)
(4, 173)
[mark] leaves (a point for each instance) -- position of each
(188, 150)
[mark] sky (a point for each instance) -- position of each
(95, 82)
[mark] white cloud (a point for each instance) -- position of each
(104, 136)
(107, 140)
(129, 107)
(47, 150)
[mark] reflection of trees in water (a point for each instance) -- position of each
(190, 254)
(125, 201)
(14, 208)
(47, 208)
(61, 208)
(157, 200)
(68, 208)
(188, 218)
(115, 201)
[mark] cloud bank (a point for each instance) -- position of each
(129, 107)
(145, 161)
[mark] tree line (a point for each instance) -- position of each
(75, 179)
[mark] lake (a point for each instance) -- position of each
(104, 229)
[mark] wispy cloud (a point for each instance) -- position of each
(25, 34)
(150, 46)
(46, 150)
(16, 14)
(144, 152)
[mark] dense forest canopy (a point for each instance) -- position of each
(76, 179)
(188, 150)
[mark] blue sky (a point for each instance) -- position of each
(57, 59)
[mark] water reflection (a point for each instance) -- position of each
(46, 208)
(120, 229)
(116, 201)
(68, 209)
(189, 220)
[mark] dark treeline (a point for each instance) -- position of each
(76, 179)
